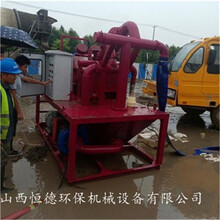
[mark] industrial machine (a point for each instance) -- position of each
(194, 79)
(38, 26)
(92, 123)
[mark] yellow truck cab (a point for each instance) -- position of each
(194, 79)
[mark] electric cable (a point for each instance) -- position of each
(104, 19)
(142, 142)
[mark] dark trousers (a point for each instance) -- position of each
(5, 152)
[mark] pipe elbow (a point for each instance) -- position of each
(89, 70)
(134, 74)
(128, 28)
(98, 36)
(164, 52)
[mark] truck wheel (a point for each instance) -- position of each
(215, 116)
(192, 111)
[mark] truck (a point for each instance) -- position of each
(193, 82)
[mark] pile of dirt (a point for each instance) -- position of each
(146, 100)
(36, 154)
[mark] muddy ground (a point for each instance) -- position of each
(185, 187)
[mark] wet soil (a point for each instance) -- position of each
(185, 187)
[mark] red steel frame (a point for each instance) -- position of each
(71, 114)
(111, 118)
(62, 37)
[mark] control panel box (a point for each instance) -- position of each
(59, 68)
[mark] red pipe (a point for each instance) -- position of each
(85, 63)
(113, 60)
(23, 211)
(131, 29)
(135, 43)
(88, 72)
(164, 52)
(99, 149)
(108, 52)
(93, 50)
(79, 73)
(133, 74)
(127, 59)
(133, 80)
(124, 69)
(82, 63)
(128, 29)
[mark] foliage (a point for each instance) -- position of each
(90, 40)
(69, 45)
(55, 35)
(147, 56)
(172, 51)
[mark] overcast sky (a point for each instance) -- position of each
(177, 22)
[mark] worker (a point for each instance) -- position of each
(23, 63)
(9, 71)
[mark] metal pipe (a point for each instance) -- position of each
(154, 29)
(123, 77)
(107, 55)
(85, 63)
(128, 28)
(133, 80)
(119, 40)
(86, 83)
(26, 209)
(131, 29)
(100, 149)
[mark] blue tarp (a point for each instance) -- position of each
(162, 82)
(142, 71)
(154, 72)
(207, 150)
(141, 74)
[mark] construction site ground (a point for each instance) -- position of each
(185, 187)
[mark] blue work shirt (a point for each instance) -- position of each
(11, 129)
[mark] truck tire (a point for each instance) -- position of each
(192, 111)
(215, 116)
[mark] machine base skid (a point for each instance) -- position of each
(103, 123)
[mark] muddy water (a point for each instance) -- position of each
(183, 188)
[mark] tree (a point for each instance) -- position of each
(148, 56)
(69, 45)
(56, 45)
(55, 34)
(72, 42)
(172, 51)
(62, 30)
(90, 40)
